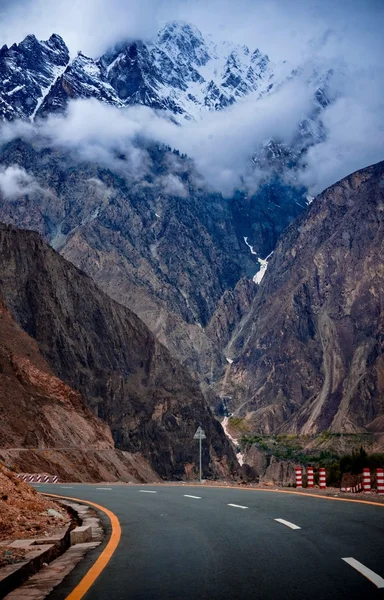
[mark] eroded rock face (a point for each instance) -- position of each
(309, 356)
(231, 308)
(104, 351)
(45, 426)
(268, 468)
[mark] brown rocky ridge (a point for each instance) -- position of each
(45, 426)
(102, 350)
(309, 355)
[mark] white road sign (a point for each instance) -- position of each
(199, 435)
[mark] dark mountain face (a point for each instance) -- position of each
(105, 352)
(168, 257)
(45, 426)
(309, 354)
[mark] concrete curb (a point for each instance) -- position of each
(44, 551)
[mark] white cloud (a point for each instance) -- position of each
(16, 182)
(293, 30)
(172, 185)
(354, 125)
(221, 144)
(91, 26)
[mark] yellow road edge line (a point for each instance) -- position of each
(234, 487)
(90, 577)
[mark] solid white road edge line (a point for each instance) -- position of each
(287, 523)
(188, 496)
(147, 492)
(237, 506)
(371, 575)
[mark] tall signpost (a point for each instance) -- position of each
(199, 435)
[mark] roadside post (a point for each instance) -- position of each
(380, 481)
(322, 478)
(199, 435)
(310, 477)
(367, 480)
(299, 477)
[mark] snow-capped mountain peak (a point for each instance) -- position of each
(183, 40)
(181, 72)
(27, 72)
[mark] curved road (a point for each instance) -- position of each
(226, 544)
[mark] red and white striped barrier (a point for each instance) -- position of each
(366, 480)
(310, 477)
(322, 479)
(299, 477)
(357, 488)
(37, 478)
(380, 481)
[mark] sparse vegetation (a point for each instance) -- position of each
(240, 424)
(324, 450)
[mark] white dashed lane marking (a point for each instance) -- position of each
(188, 496)
(237, 506)
(104, 489)
(147, 492)
(371, 575)
(66, 487)
(287, 523)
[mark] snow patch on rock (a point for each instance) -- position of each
(239, 455)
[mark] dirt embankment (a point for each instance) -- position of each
(24, 514)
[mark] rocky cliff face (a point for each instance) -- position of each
(104, 351)
(45, 426)
(309, 354)
(231, 308)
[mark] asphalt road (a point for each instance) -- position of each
(177, 547)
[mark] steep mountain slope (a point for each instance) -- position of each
(28, 70)
(44, 424)
(309, 355)
(104, 351)
(168, 254)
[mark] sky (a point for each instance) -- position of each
(345, 35)
(290, 29)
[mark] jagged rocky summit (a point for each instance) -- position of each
(179, 72)
(28, 71)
